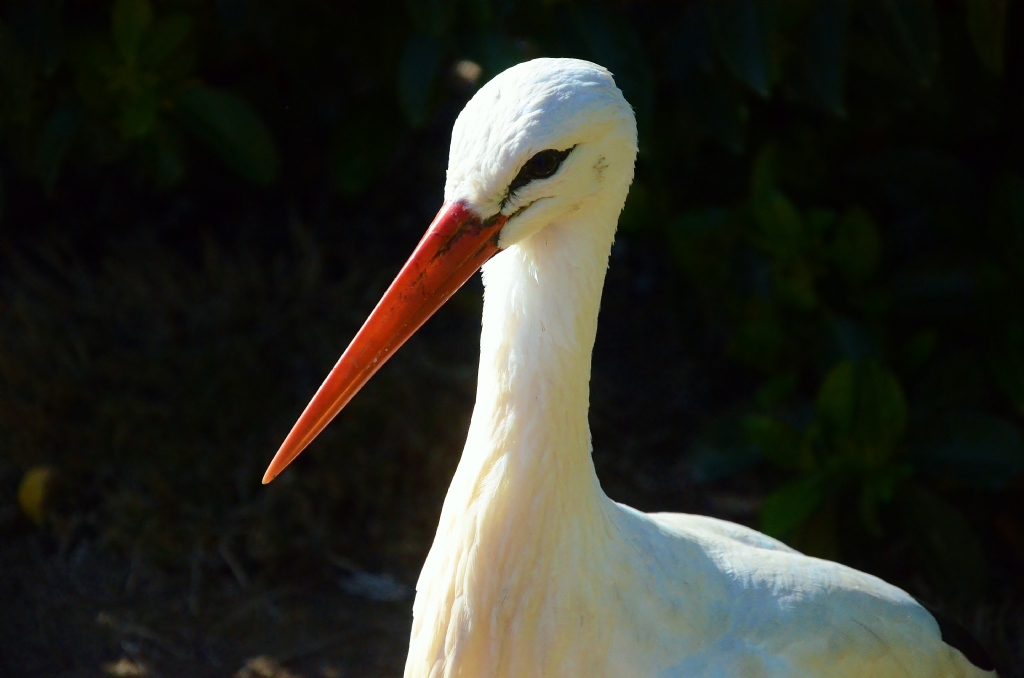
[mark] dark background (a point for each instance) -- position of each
(813, 322)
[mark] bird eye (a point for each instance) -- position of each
(540, 166)
(543, 164)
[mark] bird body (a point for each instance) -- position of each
(534, 571)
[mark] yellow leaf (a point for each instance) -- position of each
(32, 493)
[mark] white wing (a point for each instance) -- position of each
(793, 615)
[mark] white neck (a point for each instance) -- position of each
(525, 500)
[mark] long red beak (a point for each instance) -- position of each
(455, 246)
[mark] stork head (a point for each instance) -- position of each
(531, 146)
(539, 139)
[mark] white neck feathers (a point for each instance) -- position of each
(525, 499)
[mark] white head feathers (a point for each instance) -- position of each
(544, 104)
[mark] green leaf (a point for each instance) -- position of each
(876, 492)
(138, 114)
(794, 285)
(947, 545)
(881, 410)
(818, 536)
(789, 506)
(914, 29)
(232, 130)
(169, 163)
(986, 21)
(919, 348)
(722, 451)
(781, 228)
(128, 23)
(742, 31)
(776, 390)
(973, 448)
(776, 440)
(837, 398)
(162, 40)
(856, 249)
(57, 134)
(432, 17)
(701, 241)
(758, 342)
(850, 340)
(416, 74)
(764, 174)
(825, 53)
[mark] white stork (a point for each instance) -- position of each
(534, 571)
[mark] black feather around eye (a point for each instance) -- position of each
(540, 166)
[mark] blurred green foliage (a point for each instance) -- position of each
(839, 187)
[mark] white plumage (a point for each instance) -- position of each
(534, 571)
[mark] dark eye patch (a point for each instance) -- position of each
(540, 166)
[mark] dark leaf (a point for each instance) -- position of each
(128, 23)
(57, 134)
(973, 448)
(363, 144)
(776, 390)
(948, 547)
(789, 506)
(919, 348)
(837, 399)
(825, 53)
(432, 17)
(166, 36)
(794, 285)
(17, 79)
(818, 536)
(721, 452)
(758, 342)
(876, 492)
(742, 31)
(920, 178)
(138, 114)
(935, 292)
(169, 163)
(1008, 369)
(232, 130)
(776, 440)
(417, 72)
(40, 30)
(714, 103)
(765, 174)
(701, 241)
(1006, 218)
(913, 28)
(882, 411)
(856, 249)
(616, 46)
(986, 21)
(849, 340)
(499, 52)
(780, 226)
